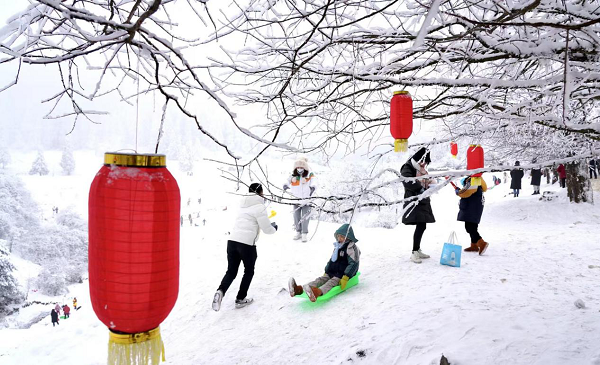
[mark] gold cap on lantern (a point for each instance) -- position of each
(401, 92)
(135, 160)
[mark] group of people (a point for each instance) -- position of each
(517, 175)
(55, 312)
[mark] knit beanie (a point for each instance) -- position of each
(302, 162)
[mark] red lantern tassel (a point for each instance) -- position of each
(135, 348)
(400, 145)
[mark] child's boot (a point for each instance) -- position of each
(473, 248)
(482, 246)
(312, 293)
(293, 288)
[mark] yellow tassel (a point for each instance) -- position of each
(453, 156)
(400, 145)
(475, 181)
(136, 349)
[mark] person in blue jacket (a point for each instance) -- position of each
(342, 266)
(470, 211)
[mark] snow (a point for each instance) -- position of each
(517, 304)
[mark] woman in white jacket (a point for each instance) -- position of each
(241, 246)
(302, 185)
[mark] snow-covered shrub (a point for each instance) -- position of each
(67, 161)
(39, 166)
(18, 211)
(52, 279)
(10, 293)
(69, 218)
(4, 157)
(385, 218)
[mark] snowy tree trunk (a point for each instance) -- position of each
(578, 186)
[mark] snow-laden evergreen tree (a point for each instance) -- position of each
(4, 157)
(10, 292)
(18, 211)
(39, 165)
(51, 280)
(67, 161)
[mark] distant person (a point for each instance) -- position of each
(66, 310)
(190, 218)
(470, 211)
(57, 308)
(181, 220)
(204, 222)
(54, 317)
(421, 214)
(75, 303)
(340, 268)
(562, 175)
(536, 179)
(516, 175)
(594, 164)
(241, 246)
(302, 185)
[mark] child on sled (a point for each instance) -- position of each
(342, 266)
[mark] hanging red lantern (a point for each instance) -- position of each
(475, 161)
(453, 149)
(134, 206)
(401, 119)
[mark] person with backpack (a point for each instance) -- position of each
(417, 211)
(302, 186)
(241, 246)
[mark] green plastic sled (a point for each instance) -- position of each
(334, 291)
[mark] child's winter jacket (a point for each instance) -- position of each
(302, 187)
(471, 202)
(348, 256)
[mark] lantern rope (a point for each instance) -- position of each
(137, 104)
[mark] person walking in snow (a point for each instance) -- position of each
(66, 310)
(562, 175)
(421, 214)
(241, 246)
(342, 266)
(536, 179)
(515, 183)
(57, 308)
(594, 164)
(54, 317)
(302, 186)
(74, 303)
(470, 210)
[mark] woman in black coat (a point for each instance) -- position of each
(421, 214)
(536, 180)
(515, 183)
(470, 211)
(54, 317)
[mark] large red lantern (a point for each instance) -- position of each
(475, 161)
(401, 119)
(134, 208)
(453, 149)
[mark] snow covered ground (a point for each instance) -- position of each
(514, 305)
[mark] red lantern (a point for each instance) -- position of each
(475, 161)
(453, 149)
(133, 265)
(401, 119)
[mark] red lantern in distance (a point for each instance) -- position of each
(401, 119)
(475, 161)
(134, 206)
(453, 149)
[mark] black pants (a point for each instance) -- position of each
(472, 231)
(419, 230)
(593, 171)
(563, 182)
(238, 252)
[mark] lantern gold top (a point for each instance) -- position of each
(401, 92)
(135, 160)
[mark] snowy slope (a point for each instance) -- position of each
(513, 305)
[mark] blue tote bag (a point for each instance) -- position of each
(451, 251)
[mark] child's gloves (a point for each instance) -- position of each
(312, 190)
(285, 187)
(344, 282)
(274, 225)
(456, 190)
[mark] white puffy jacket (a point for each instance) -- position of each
(251, 218)
(300, 186)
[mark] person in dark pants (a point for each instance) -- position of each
(594, 164)
(241, 247)
(421, 214)
(515, 183)
(562, 175)
(536, 180)
(470, 211)
(54, 316)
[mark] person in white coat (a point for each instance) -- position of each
(241, 246)
(302, 186)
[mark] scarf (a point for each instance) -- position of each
(336, 249)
